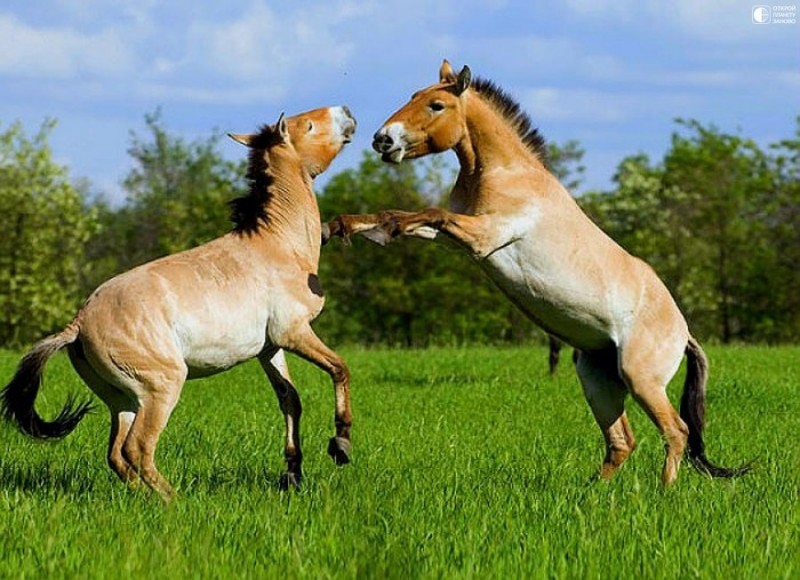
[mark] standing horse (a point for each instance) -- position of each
(559, 268)
(250, 293)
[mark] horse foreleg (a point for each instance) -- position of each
(289, 400)
(370, 226)
(476, 233)
(307, 345)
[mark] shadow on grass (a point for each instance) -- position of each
(409, 380)
(38, 479)
(251, 477)
(70, 480)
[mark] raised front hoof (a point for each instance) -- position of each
(289, 481)
(339, 450)
(325, 233)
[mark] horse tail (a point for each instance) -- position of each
(693, 413)
(18, 397)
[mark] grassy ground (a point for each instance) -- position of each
(467, 463)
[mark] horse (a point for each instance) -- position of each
(563, 272)
(251, 293)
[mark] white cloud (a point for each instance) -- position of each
(539, 58)
(721, 21)
(60, 53)
(619, 10)
(790, 78)
(698, 78)
(596, 106)
(553, 104)
(251, 53)
(265, 44)
(212, 95)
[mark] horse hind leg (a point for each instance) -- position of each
(277, 372)
(648, 389)
(654, 401)
(605, 392)
(121, 422)
(122, 409)
(155, 408)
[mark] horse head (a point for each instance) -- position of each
(314, 138)
(431, 122)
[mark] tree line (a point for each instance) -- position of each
(718, 217)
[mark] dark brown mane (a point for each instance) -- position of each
(513, 113)
(249, 210)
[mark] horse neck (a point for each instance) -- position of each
(490, 143)
(292, 215)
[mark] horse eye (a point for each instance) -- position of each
(310, 126)
(437, 106)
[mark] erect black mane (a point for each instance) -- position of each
(249, 210)
(512, 111)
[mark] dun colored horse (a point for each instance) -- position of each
(525, 230)
(250, 293)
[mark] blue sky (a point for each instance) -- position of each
(612, 74)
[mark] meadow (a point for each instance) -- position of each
(467, 463)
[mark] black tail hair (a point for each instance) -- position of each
(18, 397)
(693, 413)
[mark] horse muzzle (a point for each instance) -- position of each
(388, 141)
(346, 122)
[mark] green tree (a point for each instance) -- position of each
(46, 225)
(726, 174)
(772, 293)
(717, 218)
(565, 161)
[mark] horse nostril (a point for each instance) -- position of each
(382, 142)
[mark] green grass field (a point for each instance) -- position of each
(467, 463)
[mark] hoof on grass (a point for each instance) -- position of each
(339, 450)
(290, 480)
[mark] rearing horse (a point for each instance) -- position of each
(250, 293)
(529, 235)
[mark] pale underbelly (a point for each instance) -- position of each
(573, 317)
(215, 358)
(217, 348)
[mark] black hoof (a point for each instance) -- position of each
(290, 481)
(339, 450)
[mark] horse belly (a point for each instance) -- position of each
(214, 345)
(212, 358)
(566, 310)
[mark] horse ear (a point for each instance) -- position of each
(446, 74)
(464, 80)
(245, 139)
(283, 127)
